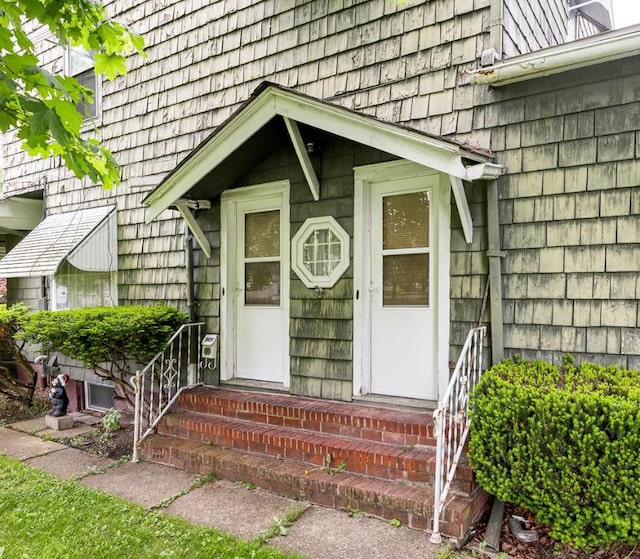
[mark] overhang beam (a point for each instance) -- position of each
(183, 207)
(463, 207)
(303, 157)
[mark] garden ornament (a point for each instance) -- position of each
(58, 396)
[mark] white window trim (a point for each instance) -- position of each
(88, 122)
(297, 252)
(87, 401)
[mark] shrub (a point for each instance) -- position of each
(111, 421)
(563, 443)
(105, 338)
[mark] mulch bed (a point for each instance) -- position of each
(113, 444)
(546, 547)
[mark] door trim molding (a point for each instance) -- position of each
(228, 257)
(363, 178)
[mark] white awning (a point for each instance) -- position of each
(86, 238)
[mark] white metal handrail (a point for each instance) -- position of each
(156, 387)
(452, 421)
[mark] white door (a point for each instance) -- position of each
(256, 261)
(401, 291)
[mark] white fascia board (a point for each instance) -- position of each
(219, 147)
(430, 152)
(607, 47)
(194, 227)
(303, 157)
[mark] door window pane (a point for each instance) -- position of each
(262, 283)
(405, 280)
(262, 234)
(405, 220)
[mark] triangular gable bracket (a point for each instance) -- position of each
(303, 157)
(183, 207)
(463, 207)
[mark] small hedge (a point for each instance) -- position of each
(565, 444)
(96, 335)
(105, 338)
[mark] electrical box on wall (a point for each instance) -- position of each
(209, 346)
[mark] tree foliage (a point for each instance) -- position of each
(107, 339)
(41, 106)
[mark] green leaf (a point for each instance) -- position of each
(112, 65)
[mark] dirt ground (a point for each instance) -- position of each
(111, 444)
(546, 547)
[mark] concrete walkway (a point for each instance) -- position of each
(238, 509)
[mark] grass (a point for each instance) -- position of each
(43, 517)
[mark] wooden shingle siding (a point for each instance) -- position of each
(205, 59)
(569, 210)
(568, 206)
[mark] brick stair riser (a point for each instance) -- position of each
(418, 430)
(411, 505)
(409, 468)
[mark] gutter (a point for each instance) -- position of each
(605, 47)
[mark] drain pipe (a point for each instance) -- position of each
(495, 256)
(188, 256)
(194, 342)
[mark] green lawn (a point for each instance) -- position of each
(42, 517)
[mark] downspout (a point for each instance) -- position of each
(188, 256)
(495, 256)
(194, 342)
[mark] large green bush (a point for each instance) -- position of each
(563, 443)
(105, 338)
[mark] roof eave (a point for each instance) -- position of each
(275, 101)
(605, 47)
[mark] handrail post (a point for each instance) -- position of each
(136, 417)
(437, 429)
(163, 373)
(451, 419)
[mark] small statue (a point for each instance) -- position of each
(58, 396)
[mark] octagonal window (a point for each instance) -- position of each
(320, 252)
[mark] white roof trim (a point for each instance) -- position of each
(431, 152)
(604, 47)
(20, 214)
(78, 236)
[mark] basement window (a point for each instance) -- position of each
(320, 252)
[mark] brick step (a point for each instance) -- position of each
(403, 427)
(380, 460)
(410, 503)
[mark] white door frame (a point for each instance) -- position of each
(228, 259)
(364, 177)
